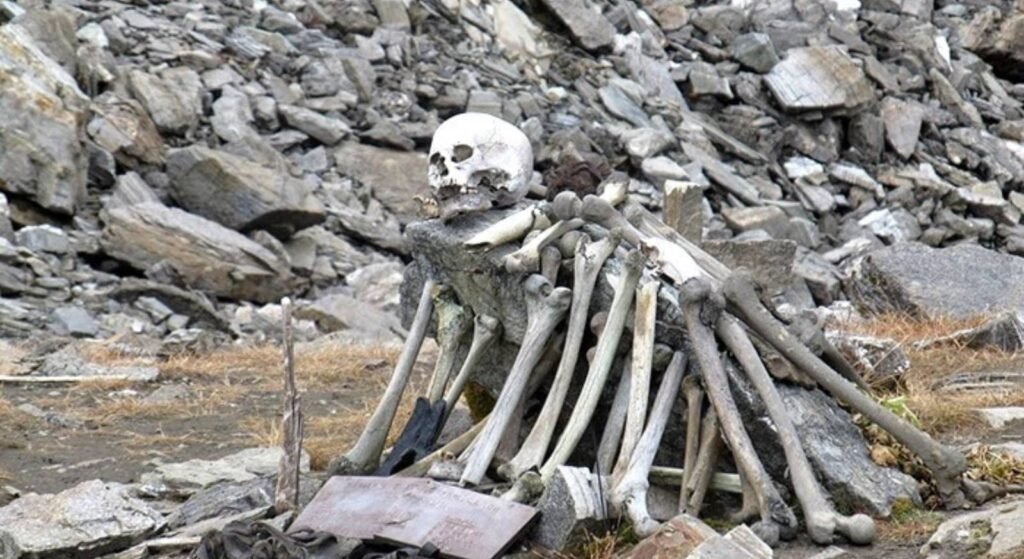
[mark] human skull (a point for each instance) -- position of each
(478, 162)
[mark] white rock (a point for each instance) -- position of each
(997, 418)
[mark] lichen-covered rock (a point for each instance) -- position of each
(89, 520)
(41, 132)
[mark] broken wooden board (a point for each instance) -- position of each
(414, 512)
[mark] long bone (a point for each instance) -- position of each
(694, 401)
(590, 257)
(631, 492)
(671, 259)
(527, 258)
(545, 306)
(708, 452)
(597, 374)
(819, 516)
(611, 438)
(485, 331)
(511, 228)
(640, 372)
(550, 263)
(364, 457)
(452, 327)
(946, 464)
(698, 307)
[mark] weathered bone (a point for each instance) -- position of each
(710, 449)
(550, 263)
(694, 401)
(640, 372)
(364, 457)
(631, 492)
(511, 228)
(946, 464)
(485, 331)
(720, 481)
(597, 374)
(453, 448)
(611, 438)
(694, 300)
(590, 257)
(452, 327)
(527, 258)
(545, 306)
(821, 519)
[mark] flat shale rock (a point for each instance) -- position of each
(992, 533)
(186, 478)
(172, 99)
(341, 312)
(42, 129)
(241, 194)
(395, 177)
(588, 27)
(204, 254)
(819, 78)
(89, 520)
(959, 281)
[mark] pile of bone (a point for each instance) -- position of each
(719, 310)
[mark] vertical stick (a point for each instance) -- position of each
(286, 497)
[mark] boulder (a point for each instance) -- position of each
(89, 520)
(41, 149)
(341, 312)
(819, 78)
(241, 194)
(396, 177)
(172, 99)
(959, 281)
(122, 127)
(586, 24)
(203, 254)
(994, 532)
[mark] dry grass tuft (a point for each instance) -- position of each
(908, 523)
(608, 545)
(940, 411)
(12, 418)
(997, 467)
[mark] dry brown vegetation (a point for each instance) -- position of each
(941, 412)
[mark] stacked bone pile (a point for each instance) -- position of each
(683, 306)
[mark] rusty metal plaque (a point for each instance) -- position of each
(414, 511)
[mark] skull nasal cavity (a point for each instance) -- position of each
(461, 153)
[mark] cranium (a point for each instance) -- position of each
(478, 162)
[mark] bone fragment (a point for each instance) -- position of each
(527, 258)
(640, 373)
(485, 331)
(946, 464)
(631, 492)
(819, 516)
(708, 452)
(590, 257)
(694, 401)
(697, 308)
(550, 263)
(545, 306)
(611, 438)
(597, 374)
(511, 228)
(720, 481)
(452, 328)
(364, 457)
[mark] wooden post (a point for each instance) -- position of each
(286, 497)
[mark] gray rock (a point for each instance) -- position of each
(588, 26)
(816, 78)
(997, 418)
(89, 520)
(755, 51)
(74, 321)
(69, 361)
(186, 478)
(167, 394)
(902, 125)
(130, 189)
(190, 304)
(204, 254)
(43, 238)
(892, 226)
(172, 99)
(878, 359)
(991, 533)
(769, 260)
(325, 129)
(769, 219)
(821, 277)
(341, 312)
(1004, 332)
(241, 194)
(223, 499)
(959, 281)
(703, 80)
(570, 507)
(395, 178)
(41, 151)
(378, 284)
(122, 127)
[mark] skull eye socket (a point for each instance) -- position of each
(461, 153)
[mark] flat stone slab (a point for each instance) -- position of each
(89, 520)
(193, 475)
(997, 418)
(817, 78)
(959, 281)
(995, 532)
(463, 524)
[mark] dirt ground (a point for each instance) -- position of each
(231, 400)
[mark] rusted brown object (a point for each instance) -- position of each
(415, 511)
